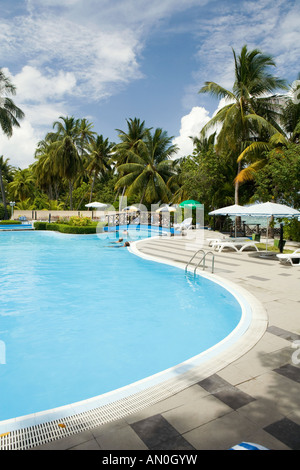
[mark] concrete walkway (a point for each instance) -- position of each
(256, 398)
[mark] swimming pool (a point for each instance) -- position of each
(80, 318)
(16, 227)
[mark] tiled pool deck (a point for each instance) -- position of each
(256, 398)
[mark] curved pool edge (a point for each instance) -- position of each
(42, 427)
(249, 334)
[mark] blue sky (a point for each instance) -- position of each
(111, 60)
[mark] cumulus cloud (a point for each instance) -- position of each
(191, 125)
(21, 146)
(34, 86)
(41, 98)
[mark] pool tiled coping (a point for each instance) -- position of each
(230, 370)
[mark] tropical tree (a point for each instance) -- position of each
(291, 112)
(86, 135)
(4, 174)
(45, 171)
(252, 110)
(149, 168)
(10, 114)
(99, 159)
(23, 184)
(130, 142)
(64, 145)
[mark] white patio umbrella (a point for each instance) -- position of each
(96, 204)
(131, 209)
(166, 209)
(271, 209)
(234, 209)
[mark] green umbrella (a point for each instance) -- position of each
(191, 204)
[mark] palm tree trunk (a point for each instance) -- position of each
(122, 196)
(238, 220)
(3, 196)
(143, 195)
(71, 194)
(92, 187)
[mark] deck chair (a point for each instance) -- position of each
(290, 258)
(185, 225)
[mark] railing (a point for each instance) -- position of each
(203, 259)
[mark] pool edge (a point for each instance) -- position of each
(70, 419)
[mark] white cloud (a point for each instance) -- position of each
(191, 125)
(21, 146)
(33, 86)
(41, 99)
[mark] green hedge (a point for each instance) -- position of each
(63, 228)
(75, 229)
(10, 222)
(40, 225)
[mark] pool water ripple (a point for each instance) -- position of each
(80, 317)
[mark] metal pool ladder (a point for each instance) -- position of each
(202, 260)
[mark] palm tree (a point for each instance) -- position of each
(252, 111)
(22, 186)
(130, 142)
(10, 114)
(65, 143)
(86, 135)
(291, 112)
(46, 174)
(99, 157)
(4, 172)
(257, 154)
(149, 168)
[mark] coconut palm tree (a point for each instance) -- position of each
(22, 186)
(130, 142)
(86, 135)
(10, 114)
(4, 172)
(252, 110)
(149, 168)
(99, 159)
(65, 143)
(46, 174)
(291, 112)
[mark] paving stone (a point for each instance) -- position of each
(226, 392)
(286, 431)
(157, 433)
(289, 371)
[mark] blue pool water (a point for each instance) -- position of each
(15, 227)
(80, 317)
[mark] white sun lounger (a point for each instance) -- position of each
(290, 258)
(185, 225)
(235, 245)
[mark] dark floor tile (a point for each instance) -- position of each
(257, 278)
(158, 434)
(226, 392)
(288, 335)
(287, 432)
(289, 371)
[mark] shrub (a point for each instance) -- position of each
(64, 228)
(55, 227)
(77, 229)
(40, 225)
(291, 230)
(10, 222)
(62, 220)
(80, 221)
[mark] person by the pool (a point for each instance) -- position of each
(119, 241)
(120, 246)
